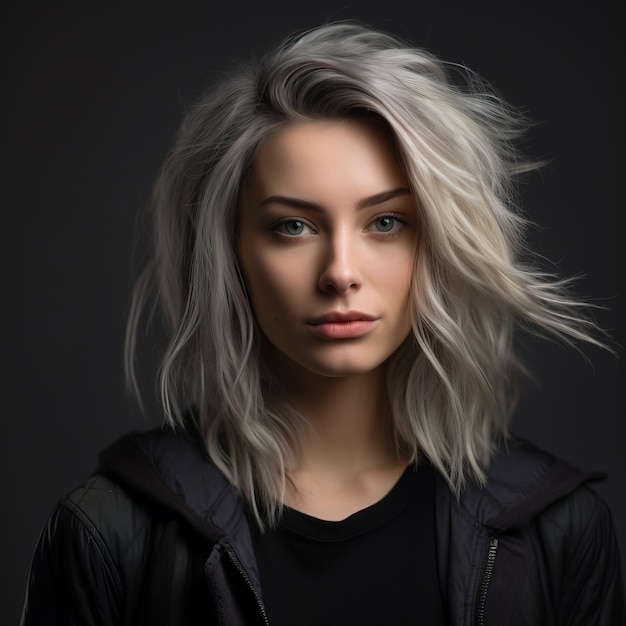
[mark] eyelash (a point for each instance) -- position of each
(401, 219)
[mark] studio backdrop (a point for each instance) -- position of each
(93, 94)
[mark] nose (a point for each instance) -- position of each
(340, 272)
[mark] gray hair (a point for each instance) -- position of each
(453, 383)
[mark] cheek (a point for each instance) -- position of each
(273, 286)
(394, 274)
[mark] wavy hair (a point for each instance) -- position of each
(453, 383)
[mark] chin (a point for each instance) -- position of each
(327, 360)
(340, 368)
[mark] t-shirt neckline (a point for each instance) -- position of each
(412, 482)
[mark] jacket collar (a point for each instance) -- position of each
(522, 481)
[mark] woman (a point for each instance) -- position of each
(338, 258)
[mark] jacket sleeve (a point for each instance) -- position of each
(594, 589)
(73, 580)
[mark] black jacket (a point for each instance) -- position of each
(158, 536)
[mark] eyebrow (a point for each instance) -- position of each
(364, 203)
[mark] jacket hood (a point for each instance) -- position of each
(522, 481)
(172, 470)
(172, 473)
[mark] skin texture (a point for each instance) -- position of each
(327, 225)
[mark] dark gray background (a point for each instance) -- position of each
(93, 93)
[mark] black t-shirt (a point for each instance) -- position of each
(378, 566)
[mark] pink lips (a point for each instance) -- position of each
(348, 325)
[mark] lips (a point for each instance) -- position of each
(343, 317)
(340, 325)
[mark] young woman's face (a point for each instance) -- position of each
(327, 244)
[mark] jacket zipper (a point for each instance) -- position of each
(484, 587)
(244, 574)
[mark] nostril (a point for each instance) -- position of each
(337, 283)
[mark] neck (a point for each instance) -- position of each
(349, 460)
(350, 421)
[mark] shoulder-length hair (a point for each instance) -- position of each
(453, 383)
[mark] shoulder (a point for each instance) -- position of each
(104, 529)
(580, 512)
(89, 553)
(575, 559)
(558, 530)
(108, 512)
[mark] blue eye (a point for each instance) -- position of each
(385, 224)
(293, 227)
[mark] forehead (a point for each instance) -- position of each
(328, 154)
